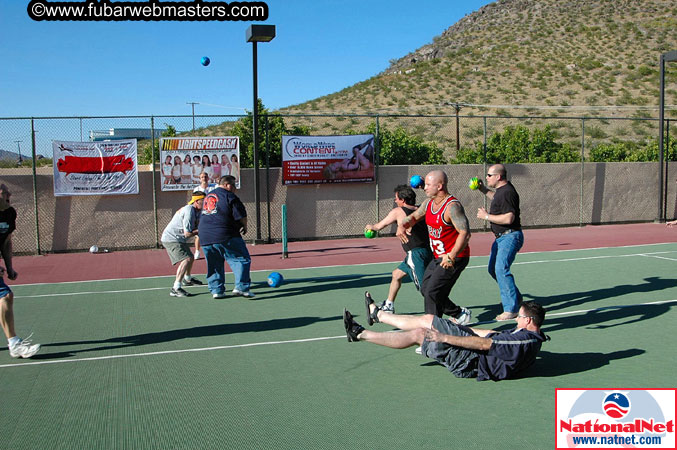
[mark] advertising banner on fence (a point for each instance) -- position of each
(327, 159)
(183, 159)
(95, 168)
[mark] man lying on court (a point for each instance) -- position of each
(466, 352)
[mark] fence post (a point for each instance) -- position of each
(377, 151)
(267, 128)
(580, 214)
(484, 161)
(667, 155)
(35, 187)
(152, 157)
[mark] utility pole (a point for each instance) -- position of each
(457, 106)
(18, 144)
(192, 104)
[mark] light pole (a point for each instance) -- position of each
(665, 57)
(256, 34)
(18, 144)
(192, 104)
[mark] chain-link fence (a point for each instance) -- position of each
(552, 194)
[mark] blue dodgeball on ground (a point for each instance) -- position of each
(275, 279)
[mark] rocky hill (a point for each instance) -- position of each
(529, 57)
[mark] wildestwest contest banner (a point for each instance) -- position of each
(183, 159)
(95, 168)
(327, 159)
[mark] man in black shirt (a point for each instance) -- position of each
(18, 348)
(504, 217)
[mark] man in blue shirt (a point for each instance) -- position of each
(466, 352)
(223, 221)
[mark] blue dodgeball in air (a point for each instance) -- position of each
(416, 181)
(275, 279)
(205, 61)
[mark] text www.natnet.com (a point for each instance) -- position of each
(616, 440)
(152, 10)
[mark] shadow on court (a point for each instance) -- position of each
(549, 364)
(293, 287)
(180, 334)
(570, 299)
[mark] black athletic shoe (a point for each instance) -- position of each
(178, 293)
(372, 317)
(192, 282)
(353, 329)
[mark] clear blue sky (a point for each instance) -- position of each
(142, 68)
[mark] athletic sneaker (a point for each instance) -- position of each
(464, 317)
(387, 308)
(353, 329)
(178, 293)
(192, 282)
(221, 295)
(23, 349)
(248, 294)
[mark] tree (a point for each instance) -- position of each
(517, 144)
(276, 128)
(148, 153)
(397, 147)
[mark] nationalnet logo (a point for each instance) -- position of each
(615, 418)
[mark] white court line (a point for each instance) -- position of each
(67, 294)
(517, 263)
(340, 265)
(169, 352)
(649, 255)
(293, 341)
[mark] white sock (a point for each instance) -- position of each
(388, 302)
(177, 285)
(13, 341)
(187, 277)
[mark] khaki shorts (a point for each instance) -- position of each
(177, 251)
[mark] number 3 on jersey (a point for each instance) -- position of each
(437, 247)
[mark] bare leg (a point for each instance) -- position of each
(181, 270)
(404, 322)
(189, 267)
(7, 315)
(395, 284)
(394, 340)
(362, 162)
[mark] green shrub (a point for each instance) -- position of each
(519, 145)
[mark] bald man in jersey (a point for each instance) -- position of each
(449, 235)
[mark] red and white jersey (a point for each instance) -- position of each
(442, 235)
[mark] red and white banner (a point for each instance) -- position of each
(328, 159)
(182, 159)
(95, 168)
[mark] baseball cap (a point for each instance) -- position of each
(197, 195)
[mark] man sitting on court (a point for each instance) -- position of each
(466, 352)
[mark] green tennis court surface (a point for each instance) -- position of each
(123, 365)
